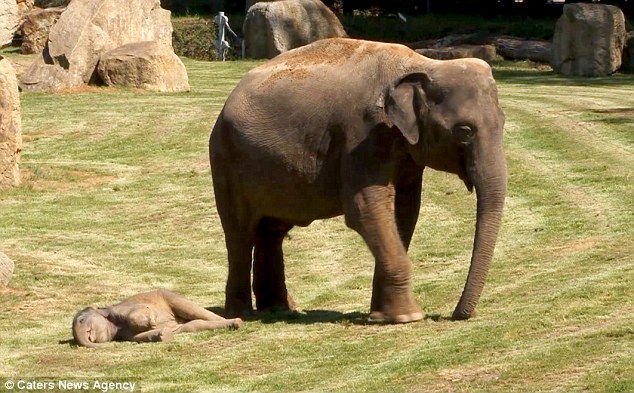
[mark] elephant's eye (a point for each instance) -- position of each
(463, 133)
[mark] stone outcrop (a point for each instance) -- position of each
(10, 126)
(87, 29)
(6, 269)
(147, 65)
(36, 27)
(271, 28)
(9, 21)
(589, 40)
(484, 52)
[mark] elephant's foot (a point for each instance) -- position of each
(378, 316)
(272, 304)
(166, 335)
(235, 308)
(462, 315)
(401, 309)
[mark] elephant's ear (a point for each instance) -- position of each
(406, 105)
(104, 312)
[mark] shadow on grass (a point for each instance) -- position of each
(536, 77)
(303, 317)
(309, 317)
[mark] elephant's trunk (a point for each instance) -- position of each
(487, 172)
(82, 339)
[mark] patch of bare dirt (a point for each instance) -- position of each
(73, 179)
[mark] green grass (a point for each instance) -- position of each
(117, 199)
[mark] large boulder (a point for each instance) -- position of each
(146, 65)
(10, 126)
(36, 27)
(87, 29)
(589, 40)
(6, 269)
(271, 28)
(9, 21)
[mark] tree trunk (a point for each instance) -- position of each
(518, 49)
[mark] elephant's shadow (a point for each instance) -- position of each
(308, 317)
(304, 317)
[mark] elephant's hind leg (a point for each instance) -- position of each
(269, 282)
(202, 325)
(186, 310)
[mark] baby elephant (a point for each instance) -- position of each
(146, 317)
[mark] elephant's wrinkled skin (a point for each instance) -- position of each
(346, 127)
(146, 317)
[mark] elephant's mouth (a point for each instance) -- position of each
(463, 173)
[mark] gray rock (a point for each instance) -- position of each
(271, 28)
(589, 40)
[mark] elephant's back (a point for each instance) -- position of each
(330, 65)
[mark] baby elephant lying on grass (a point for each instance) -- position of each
(146, 317)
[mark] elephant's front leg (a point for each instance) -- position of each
(371, 213)
(238, 289)
(269, 282)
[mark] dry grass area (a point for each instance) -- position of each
(117, 199)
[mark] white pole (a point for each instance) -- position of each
(221, 21)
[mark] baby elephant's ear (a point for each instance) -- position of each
(406, 105)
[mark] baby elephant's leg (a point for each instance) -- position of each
(165, 334)
(199, 325)
(187, 310)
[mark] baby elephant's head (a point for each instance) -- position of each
(91, 327)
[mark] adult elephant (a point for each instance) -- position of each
(346, 127)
